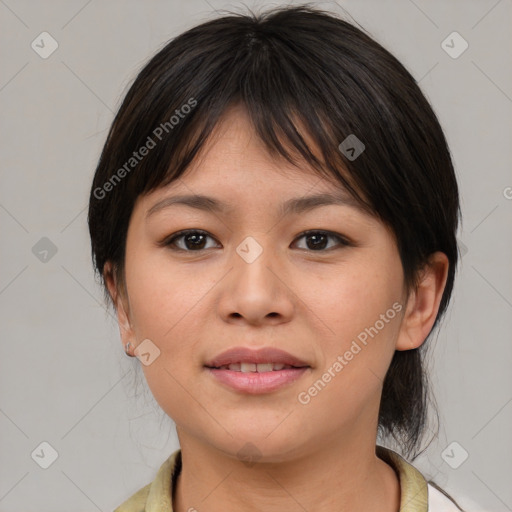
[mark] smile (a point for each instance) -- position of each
(253, 367)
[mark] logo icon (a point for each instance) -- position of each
(249, 454)
(44, 250)
(351, 147)
(44, 45)
(454, 45)
(147, 352)
(249, 250)
(454, 455)
(463, 249)
(44, 455)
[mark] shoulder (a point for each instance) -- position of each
(417, 494)
(438, 502)
(137, 502)
(157, 495)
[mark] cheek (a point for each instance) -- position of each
(353, 361)
(354, 298)
(159, 292)
(360, 313)
(164, 303)
(168, 307)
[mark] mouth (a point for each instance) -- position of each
(256, 371)
(251, 360)
(255, 367)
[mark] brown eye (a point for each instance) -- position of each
(318, 240)
(193, 240)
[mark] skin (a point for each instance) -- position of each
(310, 302)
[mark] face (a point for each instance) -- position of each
(247, 276)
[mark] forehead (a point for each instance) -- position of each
(234, 167)
(234, 157)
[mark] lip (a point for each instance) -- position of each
(262, 355)
(255, 383)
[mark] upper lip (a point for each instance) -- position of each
(248, 355)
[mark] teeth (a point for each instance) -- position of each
(264, 367)
(253, 367)
(248, 367)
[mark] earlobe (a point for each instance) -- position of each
(423, 303)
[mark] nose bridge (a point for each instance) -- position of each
(253, 257)
(255, 291)
(250, 249)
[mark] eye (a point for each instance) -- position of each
(192, 238)
(195, 240)
(318, 239)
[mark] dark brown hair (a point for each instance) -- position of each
(293, 68)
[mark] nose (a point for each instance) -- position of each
(258, 289)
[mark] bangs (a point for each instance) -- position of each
(285, 134)
(297, 116)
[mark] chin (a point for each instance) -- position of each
(254, 447)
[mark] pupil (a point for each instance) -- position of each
(197, 243)
(315, 237)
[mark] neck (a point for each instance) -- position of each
(332, 477)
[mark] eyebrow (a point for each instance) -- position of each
(292, 206)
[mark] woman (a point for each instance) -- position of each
(274, 219)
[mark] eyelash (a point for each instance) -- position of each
(170, 241)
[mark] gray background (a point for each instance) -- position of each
(64, 377)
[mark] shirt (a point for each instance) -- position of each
(416, 494)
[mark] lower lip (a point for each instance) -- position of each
(257, 383)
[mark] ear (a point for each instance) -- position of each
(121, 305)
(423, 303)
